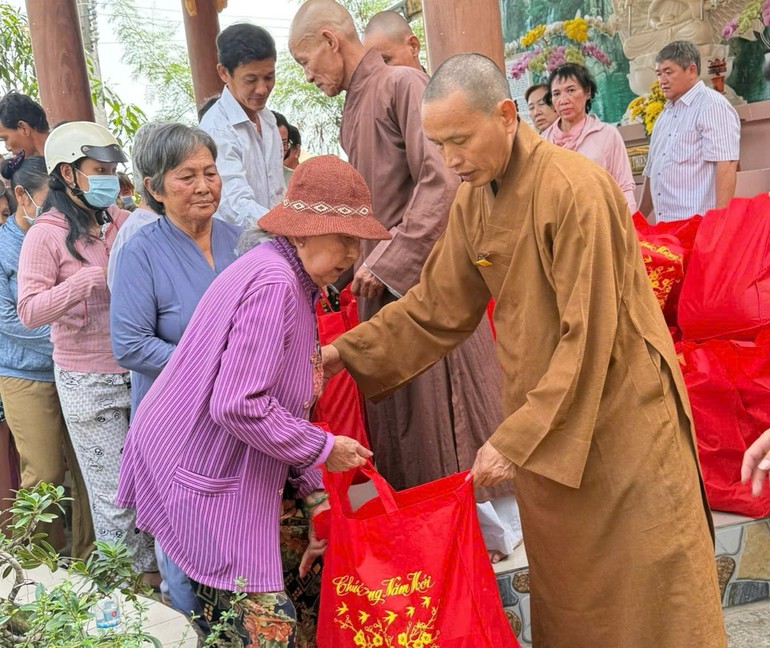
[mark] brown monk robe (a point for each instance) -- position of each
(433, 425)
(598, 429)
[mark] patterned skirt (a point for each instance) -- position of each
(271, 619)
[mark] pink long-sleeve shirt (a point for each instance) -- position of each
(601, 143)
(57, 289)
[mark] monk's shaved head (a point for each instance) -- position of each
(475, 76)
(389, 34)
(314, 16)
(390, 23)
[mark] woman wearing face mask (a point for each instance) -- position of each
(571, 88)
(62, 282)
(26, 366)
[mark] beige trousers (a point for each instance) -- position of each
(34, 415)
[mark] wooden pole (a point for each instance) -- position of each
(469, 26)
(201, 32)
(60, 64)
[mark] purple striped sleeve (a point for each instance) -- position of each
(255, 358)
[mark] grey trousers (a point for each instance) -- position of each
(96, 409)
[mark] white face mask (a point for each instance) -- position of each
(38, 209)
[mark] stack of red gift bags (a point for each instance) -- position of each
(712, 278)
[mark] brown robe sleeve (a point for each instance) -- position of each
(408, 336)
(551, 432)
(399, 261)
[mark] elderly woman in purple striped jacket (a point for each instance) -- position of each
(225, 427)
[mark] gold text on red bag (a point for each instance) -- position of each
(411, 621)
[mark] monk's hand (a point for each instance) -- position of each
(347, 453)
(490, 467)
(331, 360)
(314, 549)
(756, 463)
(365, 284)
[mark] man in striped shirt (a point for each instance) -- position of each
(695, 143)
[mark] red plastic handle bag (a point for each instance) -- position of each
(729, 388)
(408, 569)
(726, 290)
(341, 404)
(666, 249)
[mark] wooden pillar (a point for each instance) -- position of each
(469, 26)
(60, 64)
(201, 32)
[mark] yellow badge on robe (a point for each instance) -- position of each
(483, 261)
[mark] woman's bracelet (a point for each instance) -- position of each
(316, 502)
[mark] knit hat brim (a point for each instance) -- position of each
(300, 219)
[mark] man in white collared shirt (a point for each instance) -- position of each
(250, 154)
(695, 145)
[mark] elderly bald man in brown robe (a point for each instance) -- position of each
(389, 33)
(598, 433)
(433, 425)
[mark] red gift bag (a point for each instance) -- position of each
(666, 249)
(726, 291)
(341, 404)
(729, 388)
(408, 569)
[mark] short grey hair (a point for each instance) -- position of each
(142, 138)
(162, 146)
(250, 238)
(479, 78)
(683, 53)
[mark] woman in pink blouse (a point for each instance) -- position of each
(571, 88)
(62, 282)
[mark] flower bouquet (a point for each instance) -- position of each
(648, 107)
(754, 17)
(545, 47)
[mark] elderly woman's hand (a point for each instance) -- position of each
(347, 453)
(756, 463)
(314, 549)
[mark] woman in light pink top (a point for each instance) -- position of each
(63, 282)
(570, 91)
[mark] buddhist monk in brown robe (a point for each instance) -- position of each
(433, 425)
(389, 33)
(598, 432)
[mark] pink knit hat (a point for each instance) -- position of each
(325, 196)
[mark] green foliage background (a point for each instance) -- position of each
(17, 72)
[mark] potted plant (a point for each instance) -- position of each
(62, 615)
(648, 107)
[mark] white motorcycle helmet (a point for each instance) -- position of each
(78, 139)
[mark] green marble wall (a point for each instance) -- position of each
(518, 16)
(746, 78)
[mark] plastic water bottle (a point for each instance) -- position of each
(107, 613)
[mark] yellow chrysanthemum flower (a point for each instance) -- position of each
(576, 29)
(532, 35)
